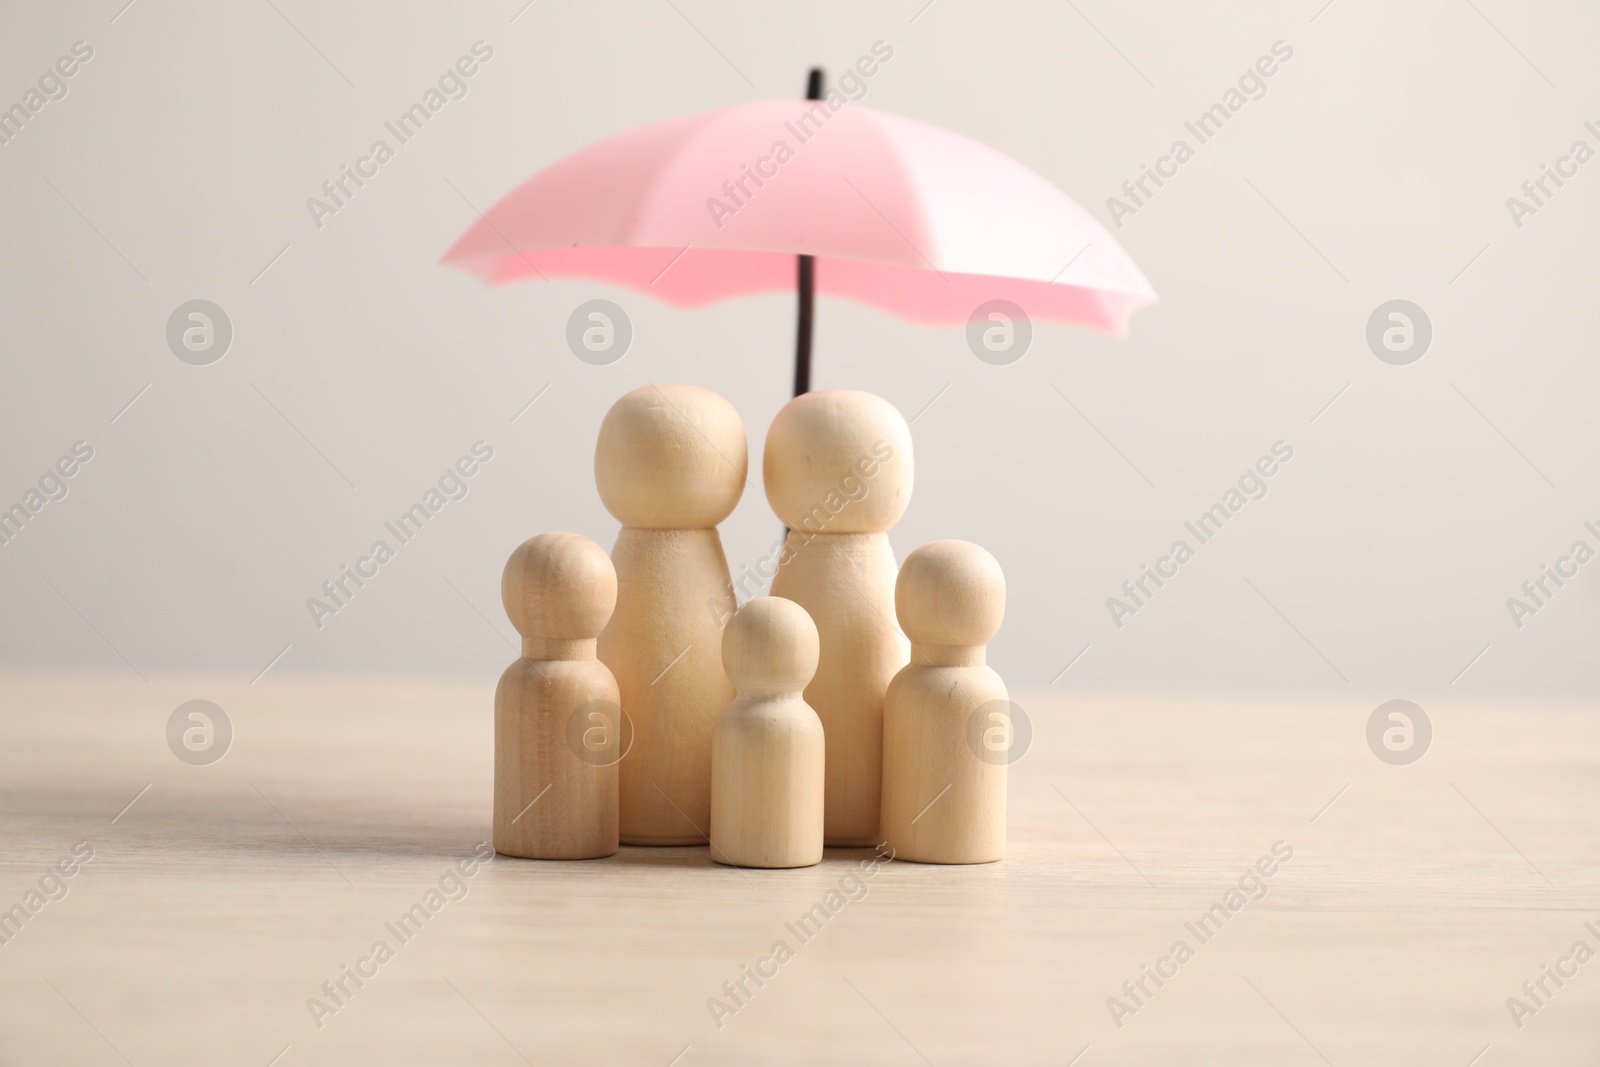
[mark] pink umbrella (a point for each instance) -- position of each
(895, 213)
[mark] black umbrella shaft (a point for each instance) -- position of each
(802, 340)
(806, 283)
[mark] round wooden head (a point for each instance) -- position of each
(559, 586)
(671, 457)
(770, 646)
(950, 593)
(838, 461)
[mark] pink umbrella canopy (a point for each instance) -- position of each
(907, 217)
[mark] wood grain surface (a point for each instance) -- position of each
(1417, 900)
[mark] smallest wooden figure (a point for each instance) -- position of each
(767, 747)
(944, 777)
(557, 712)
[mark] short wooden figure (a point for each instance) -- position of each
(944, 775)
(670, 464)
(838, 473)
(767, 754)
(557, 714)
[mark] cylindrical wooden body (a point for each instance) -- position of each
(929, 745)
(664, 645)
(573, 812)
(767, 763)
(846, 583)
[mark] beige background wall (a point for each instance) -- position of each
(1376, 167)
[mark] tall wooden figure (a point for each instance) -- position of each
(767, 750)
(838, 473)
(556, 711)
(670, 465)
(946, 719)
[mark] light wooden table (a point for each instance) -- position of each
(1418, 898)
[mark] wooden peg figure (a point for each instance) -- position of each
(944, 780)
(767, 749)
(557, 711)
(670, 464)
(838, 473)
